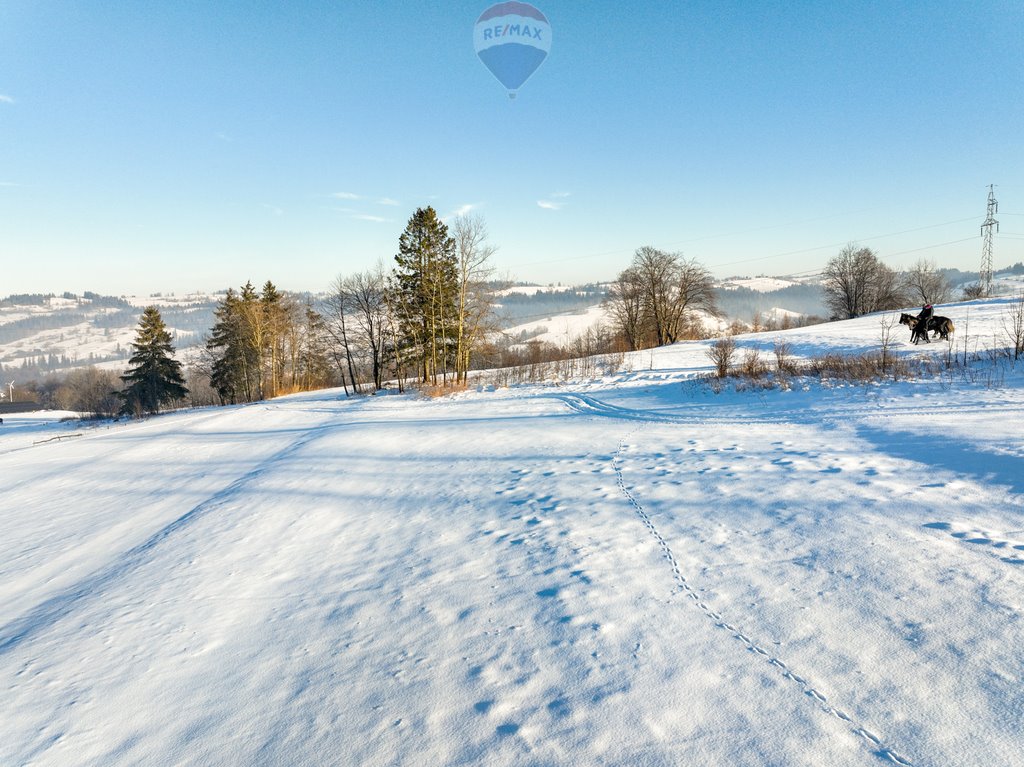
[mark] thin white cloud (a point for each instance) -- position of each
(387, 201)
(9, 183)
(345, 196)
(462, 210)
(366, 217)
(6, 99)
(223, 136)
(555, 201)
(274, 209)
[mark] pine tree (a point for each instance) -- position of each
(154, 377)
(255, 344)
(234, 364)
(424, 292)
(314, 365)
(254, 339)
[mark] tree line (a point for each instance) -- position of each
(429, 319)
(425, 319)
(264, 344)
(857, 282)
(420, 321)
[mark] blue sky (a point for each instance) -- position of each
(187, 145)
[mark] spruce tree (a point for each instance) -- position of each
(154, 377)
(233, 360)
(424, 288)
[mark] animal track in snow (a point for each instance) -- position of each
(684, 587)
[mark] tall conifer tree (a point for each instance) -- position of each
(425, 291)
(154, 377)
(234, 367)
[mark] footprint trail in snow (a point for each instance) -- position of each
(684, 586)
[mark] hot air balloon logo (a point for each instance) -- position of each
(512, 39)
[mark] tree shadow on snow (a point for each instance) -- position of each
(956, 457)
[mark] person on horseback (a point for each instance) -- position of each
(921, 329)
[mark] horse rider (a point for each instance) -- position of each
(922, 321)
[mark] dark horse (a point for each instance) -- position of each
(941, 326)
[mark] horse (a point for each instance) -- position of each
(940, 326)
(916, 332)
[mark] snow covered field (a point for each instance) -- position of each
(627, 571)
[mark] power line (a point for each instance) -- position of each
(929, 247)
(862, 239)
(812, 272)
(757, 258)
(702, 238)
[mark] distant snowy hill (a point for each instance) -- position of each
(625, 569)
(759, 284)
(557, 315)
(559, 329)
(43, 334)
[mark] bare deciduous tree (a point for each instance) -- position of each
(974, 292)
(90, 390)
(624, 305)
(358, 322)
(652, 303)
(886, 324)
(340, 305)
(1013, 325)
(694, 290)
(474, 303)
(926, 283)
(856, 282)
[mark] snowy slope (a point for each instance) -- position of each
(761, 284)
(528, 290)
(560, 329)
(631, 570)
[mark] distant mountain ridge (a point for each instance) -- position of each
(47, 333)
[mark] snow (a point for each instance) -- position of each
(778, 313)
(1008, 284)
(40, 424)
(83, 343)
(561, 329)
(624, 570)
(163, 301)
(530, 290)
(760, 284)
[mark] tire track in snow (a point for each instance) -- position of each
(684, 587)
(702, 413)
(49, 612)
